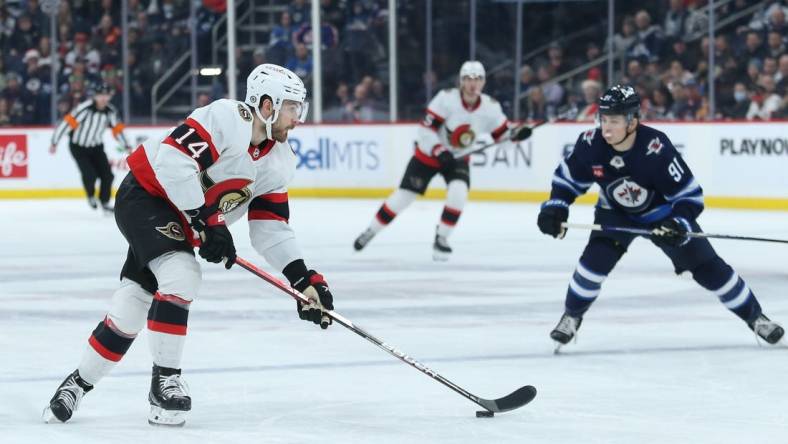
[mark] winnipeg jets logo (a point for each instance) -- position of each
(617, 162)
(588, 136)
(629, 195)
(654, 147)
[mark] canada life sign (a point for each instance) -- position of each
(13, 156)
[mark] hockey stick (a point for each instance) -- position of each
(514, 400)
(649, 233)
(459, 154)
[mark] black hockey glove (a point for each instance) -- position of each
(672, 232)
(216, 241)
(520, 133)
(554, 212)
(312, 285)
(444, 156)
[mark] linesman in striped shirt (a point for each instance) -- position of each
(85, 125)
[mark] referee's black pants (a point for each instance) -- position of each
(93, 164)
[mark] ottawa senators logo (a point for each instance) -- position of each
(462, 136)
(245, 114)
(172, 230)
(230, 200)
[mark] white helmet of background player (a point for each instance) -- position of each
(472, 69)
(279, 84)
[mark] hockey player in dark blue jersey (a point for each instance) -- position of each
(644, 183)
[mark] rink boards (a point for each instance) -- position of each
(739, 164)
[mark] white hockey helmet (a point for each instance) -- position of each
(473, 69)
(279, 84)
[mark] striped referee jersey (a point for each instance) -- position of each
(86, 124)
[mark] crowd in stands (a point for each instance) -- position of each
(662, 49)
(667, 60)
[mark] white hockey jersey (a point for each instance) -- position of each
(452, 123)
(209, 160)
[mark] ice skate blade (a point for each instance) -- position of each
(50, 417)
(557, 349)
(168, 418)
(440, 256)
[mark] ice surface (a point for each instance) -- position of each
(658, 359)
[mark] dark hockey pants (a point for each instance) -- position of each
(93, 164)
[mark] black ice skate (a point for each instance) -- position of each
(169, 397)
(363, 239)
(107, 209)
(767, 329)
(566, 330)
(92, 202)
(66, 399)
(440, 248)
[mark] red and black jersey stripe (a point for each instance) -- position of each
(432, 120)
(108, 342)
(168, 314)
(501, 130)
(194, 141)
(271, 206)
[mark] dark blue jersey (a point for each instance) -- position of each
(648, 183)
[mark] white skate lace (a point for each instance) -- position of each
(762, 324)
(568, 325)
(172, 386)
(70, 395)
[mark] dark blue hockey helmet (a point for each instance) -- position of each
(620, 100)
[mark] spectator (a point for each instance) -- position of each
(624, 40)
(769, 67)
(24, 37)
(775, 45)
(203, 99)
(527, 78)
(737, 106)
(537, 106)
(299, 13)
(660, 105)
(5, 118)
(329, 36)
(556, 62)
(765, 101)
(591, 92)
(280, 43)
(553, 93)
(688, 57)
(675, 19)
(82, 52)
(301, 63)
(753, 47)
(753, 71)
(685, 104)
(648, 41)
(782, 75)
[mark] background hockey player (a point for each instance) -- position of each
(456, 118)
(227, 159)
(85, 126)
(644, 183)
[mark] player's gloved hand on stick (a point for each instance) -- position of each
(520, 133)
(554, 212)
(672, 232)
(312, 285)
(444, 156)
(216, 241)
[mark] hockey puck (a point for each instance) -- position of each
(484, 414)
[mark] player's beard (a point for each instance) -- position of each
(280, 133)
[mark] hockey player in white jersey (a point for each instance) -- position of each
(455, 118)
(227, 159)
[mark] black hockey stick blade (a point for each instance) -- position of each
(514, 400)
